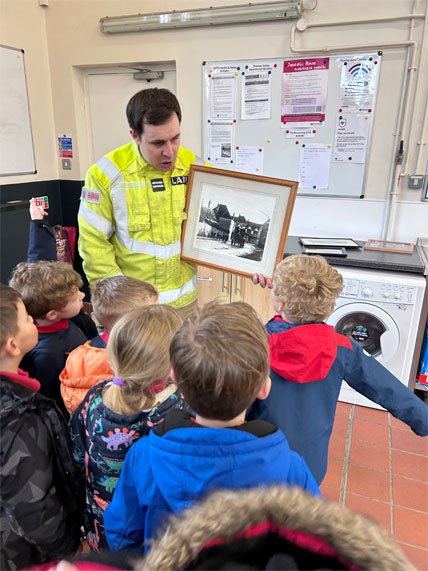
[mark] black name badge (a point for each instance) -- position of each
(157, 184)
(179, 180)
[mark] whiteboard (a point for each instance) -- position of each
(291, 150)
(16, 139)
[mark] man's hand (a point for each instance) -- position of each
(36, 212)
(262, 281)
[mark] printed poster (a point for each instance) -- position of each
(222, 96)
(65, 146)
(351, 137)
(221, 141)
(304, 91)
(256, 92)
(358, 82)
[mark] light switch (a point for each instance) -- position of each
(66, 164)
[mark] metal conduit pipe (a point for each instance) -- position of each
(411, 45)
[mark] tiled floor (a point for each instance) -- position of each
(379, 467)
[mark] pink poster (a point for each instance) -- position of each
(304, 91)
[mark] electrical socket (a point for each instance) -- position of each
(415, 181)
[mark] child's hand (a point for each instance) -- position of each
(36, 212)
(260, 279)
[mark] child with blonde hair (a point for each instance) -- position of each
(118, 411)
(309, 360)
(220, 362)
(111, 298)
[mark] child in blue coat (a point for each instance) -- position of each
(220, 362)
(309, 360)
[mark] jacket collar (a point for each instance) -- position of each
(22, 378)
(51, 328)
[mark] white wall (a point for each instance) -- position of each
(23, 25)
(75, 42)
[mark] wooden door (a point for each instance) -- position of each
(213, 284)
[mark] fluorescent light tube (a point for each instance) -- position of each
(242, 13)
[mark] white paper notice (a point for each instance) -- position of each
(314, 166)
(300, 133)
(256, 92)
(358, 83)
(222, 96)
(221, 141)
(352, 131)
(304, 91)
(250, 159)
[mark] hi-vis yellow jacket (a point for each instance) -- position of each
(130, 221)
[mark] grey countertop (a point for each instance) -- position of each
(360, 258)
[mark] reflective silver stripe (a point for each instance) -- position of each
(174, 294)
(109, 169)
(199, 161)
(122, 232)
(95, 220)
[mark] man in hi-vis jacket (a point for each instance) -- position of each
(132, 204)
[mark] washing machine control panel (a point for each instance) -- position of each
(378, 291)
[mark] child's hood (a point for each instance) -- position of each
(303, 353)
(187, 463)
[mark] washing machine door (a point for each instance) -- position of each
(369, 326)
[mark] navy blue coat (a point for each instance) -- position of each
(308, 364)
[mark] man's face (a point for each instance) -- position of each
(159, 144)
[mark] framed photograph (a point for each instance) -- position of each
(389, 246)
(329, 242)
(236, 222)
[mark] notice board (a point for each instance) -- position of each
(302, 118)
(16, 140)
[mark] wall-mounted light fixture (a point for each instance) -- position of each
(237, 14)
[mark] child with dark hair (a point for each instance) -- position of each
(50, 292)
(41, 497)
(220, 363)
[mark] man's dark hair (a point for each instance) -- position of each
(153, 106)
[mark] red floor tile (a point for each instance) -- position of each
(333, 477)
(373, 509)
(337, 446)
(340, 426)
(371, 414)
(330, 493)
(411, 527)
(417, 556)
(371, 455)
(408, 441)
(410, 465)
(398, 423)
(370, 432)
(343, 408)
(410, 493)
(369, 483)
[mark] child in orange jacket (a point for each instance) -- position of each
(111, 297)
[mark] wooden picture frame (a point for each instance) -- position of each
(389, 246)
(236, 222)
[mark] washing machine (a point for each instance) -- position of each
(380, 310)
